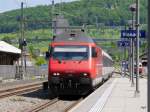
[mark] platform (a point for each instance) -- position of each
(116, 95)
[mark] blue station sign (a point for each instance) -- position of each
(123, 43)
(132, 34)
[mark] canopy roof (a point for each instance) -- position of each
(5, 47)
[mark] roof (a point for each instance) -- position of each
(5, 47)
(73, 36)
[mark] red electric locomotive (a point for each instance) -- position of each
(76, 64)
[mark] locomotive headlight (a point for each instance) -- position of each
(58, 74)
(85, 74)
(54, 74)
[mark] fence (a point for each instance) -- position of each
(10, 71)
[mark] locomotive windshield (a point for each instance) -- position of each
(70, 52)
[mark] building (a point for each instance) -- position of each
(9, 54)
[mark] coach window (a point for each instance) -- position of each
(50, 50)
(94, 53)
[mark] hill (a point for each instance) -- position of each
(106, 15)
(90, 12)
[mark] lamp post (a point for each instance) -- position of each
(132, 8)
(135, 8)
(137, 45)
(148, 82)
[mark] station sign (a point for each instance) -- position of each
(132, 33)
(123, 43)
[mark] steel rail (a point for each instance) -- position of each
(38, 108)
(42, 106)
(73, 105)
(19, 89)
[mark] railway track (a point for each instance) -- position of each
(73, 105)
(55, 101)
(20, 89)
(42, 106)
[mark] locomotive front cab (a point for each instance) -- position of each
(70, 67)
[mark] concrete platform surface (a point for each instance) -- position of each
(116, 95)
(124, 98)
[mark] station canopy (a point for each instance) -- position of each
(5, 47)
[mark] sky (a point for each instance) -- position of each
(7, 5)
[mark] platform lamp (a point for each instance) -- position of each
(137, 44)
(148, 82)
(132, 8)
(135, 8)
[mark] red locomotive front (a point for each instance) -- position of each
(72, 68)
(76, 64)
(69, 59)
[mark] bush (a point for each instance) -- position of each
(39, 61)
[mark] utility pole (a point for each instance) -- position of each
(53, 8)
(21, 41)
(54, 19)
(137, 45)
(132, 46)
(148, 82)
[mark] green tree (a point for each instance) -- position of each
(39, 61)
